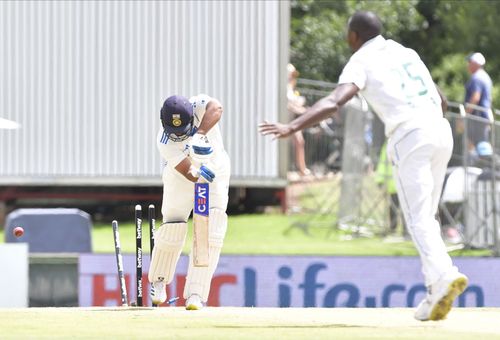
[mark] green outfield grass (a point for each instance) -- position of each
(271, 234)
(244, 323)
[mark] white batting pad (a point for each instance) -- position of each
(199, 278)
(169, 240)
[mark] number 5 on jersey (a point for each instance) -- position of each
(200, 224)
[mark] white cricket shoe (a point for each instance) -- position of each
(440, 297)
(194, 302)
(158, 292)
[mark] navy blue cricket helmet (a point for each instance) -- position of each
(176, 117)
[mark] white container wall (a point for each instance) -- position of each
(86, 80)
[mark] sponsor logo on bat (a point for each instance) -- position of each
(201, 204)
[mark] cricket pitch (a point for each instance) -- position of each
(244, 323)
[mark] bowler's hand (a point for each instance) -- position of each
(278, 130)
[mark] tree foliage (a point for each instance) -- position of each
(443, 32)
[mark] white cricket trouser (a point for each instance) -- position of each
(178, 192)
(420, 157)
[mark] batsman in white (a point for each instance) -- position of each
(190, 143)
(398, 86)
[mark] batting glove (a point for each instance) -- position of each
(200, 148)
(206, 174)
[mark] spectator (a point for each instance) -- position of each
(296, 107)
(478, 93)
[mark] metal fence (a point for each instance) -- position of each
(356, 197)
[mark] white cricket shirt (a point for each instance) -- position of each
(395, 82)
(174, 152)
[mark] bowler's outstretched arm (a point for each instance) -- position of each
(321, 110)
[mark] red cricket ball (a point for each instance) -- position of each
(18, 231)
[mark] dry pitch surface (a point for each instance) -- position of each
(244, 323)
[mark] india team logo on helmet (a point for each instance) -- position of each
(176, 117)
(176, 120)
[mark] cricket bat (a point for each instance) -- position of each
(200, 224)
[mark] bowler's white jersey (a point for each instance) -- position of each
(395, 82)
(174, 152)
